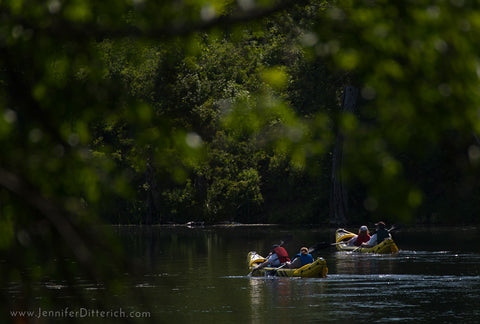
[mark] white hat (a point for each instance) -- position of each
(363, 228)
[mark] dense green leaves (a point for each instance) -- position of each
(416, 67)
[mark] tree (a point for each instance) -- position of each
(416, 66)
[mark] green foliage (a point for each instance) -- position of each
(234, 199)
(416, 68)
(223, 91)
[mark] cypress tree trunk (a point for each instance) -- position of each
(338, 194)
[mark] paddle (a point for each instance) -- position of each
(322, 245)
(394, 228)
(280, 267)
(354, 250)
(319, 246)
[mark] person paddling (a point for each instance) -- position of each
(362, 237)
(380, 235)
(277, 257)
(300, 259)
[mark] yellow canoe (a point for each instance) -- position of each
(317, 269)
(341, 235)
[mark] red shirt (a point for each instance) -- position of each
(282, 254)
(362, 239)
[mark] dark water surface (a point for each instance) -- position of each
(199, 275)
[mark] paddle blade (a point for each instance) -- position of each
(318, 246)
(395, 227)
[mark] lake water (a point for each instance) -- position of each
(199, 275)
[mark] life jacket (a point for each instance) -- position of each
(361, 239)
(305, 258)
(282, 254)
(382, 234)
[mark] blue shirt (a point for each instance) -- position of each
(305, 258)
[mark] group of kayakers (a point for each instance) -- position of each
(364, 239)
(278, 256)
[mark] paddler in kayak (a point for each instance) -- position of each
(300, 259)
(362, 237)
(380, 235)
(278, 256)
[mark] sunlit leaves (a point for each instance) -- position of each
(78, 11)
(275, 77)
(348, 122)
(8, 117)
(414, 198)
(348, 59)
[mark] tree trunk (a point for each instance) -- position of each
(338, 195)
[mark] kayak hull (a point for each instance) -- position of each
(317, 269)
(385, 247)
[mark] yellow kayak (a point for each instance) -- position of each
(341, 235)
(317, 269)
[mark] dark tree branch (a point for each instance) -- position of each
(52, 213)
(62, 29)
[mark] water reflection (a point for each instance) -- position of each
(282, 300)
(268, 293)
(363, 263)
(420, 298)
